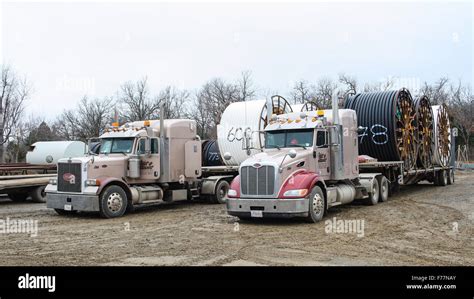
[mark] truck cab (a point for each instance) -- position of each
(309, 163)
(138, 163)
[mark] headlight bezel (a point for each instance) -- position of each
(295, 193)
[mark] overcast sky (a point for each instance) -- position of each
(70, 49)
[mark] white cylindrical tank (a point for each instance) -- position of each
(242, 118)
(49, 152)
(442, 136)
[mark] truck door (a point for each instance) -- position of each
(321, 152)
(149, 162)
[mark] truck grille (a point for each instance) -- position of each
(69, 177)
(257, 181)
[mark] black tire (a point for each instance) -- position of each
(450, 176)
(113, 202)
(442, 178)
(373, 198)
(18, 196)
(317, 205)
(435, 179)
(383, 188)
(64, 212)
(38, 194)
(220, 194)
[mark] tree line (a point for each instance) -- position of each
(135, 101)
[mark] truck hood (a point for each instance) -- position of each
(114, 165)
(275, 157)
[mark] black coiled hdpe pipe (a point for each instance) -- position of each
(388, 125)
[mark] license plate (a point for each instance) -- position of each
(256, 214)
(68, 207)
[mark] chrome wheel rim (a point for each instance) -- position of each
(318, 204)
(114, 202)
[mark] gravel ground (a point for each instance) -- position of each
(421, 225)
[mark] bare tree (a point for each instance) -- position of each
(214, 97)
(174, 100)
(246, 88)
(437, 93)
(302, 92)
(138, 103)
(65, 126)
(461, 108)
(13, 95)
(324, 90)
(350, 84)
(88, 119)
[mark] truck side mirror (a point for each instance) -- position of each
(292, 154)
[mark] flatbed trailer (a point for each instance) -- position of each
(397, 175)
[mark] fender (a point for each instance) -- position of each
(235, 185)
(300, 179)
(106, 181)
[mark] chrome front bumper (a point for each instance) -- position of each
(286, 208)
(78, 202)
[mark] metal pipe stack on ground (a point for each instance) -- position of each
(388, 125)
(424, 124)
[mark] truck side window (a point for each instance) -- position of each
(141, 147)
(321, 139)
(154, 146)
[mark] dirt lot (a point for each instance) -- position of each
(421, 225)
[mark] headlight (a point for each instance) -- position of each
(232, 193)
(53, 181)
(92, 182)
(296, 193)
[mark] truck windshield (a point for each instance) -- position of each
(116, 145)
(289, 138)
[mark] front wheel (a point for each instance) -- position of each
(317, 206)
(221, 192)
(113, 202)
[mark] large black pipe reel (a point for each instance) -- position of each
(424, 124)
(388, 125)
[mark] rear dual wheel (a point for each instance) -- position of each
(450, 176)
(18, 196)
(38, 194)
(220, 193)
(441, 178)
(383, 188)
(374, 193)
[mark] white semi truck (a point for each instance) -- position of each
(139, 163)
(310, 163)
